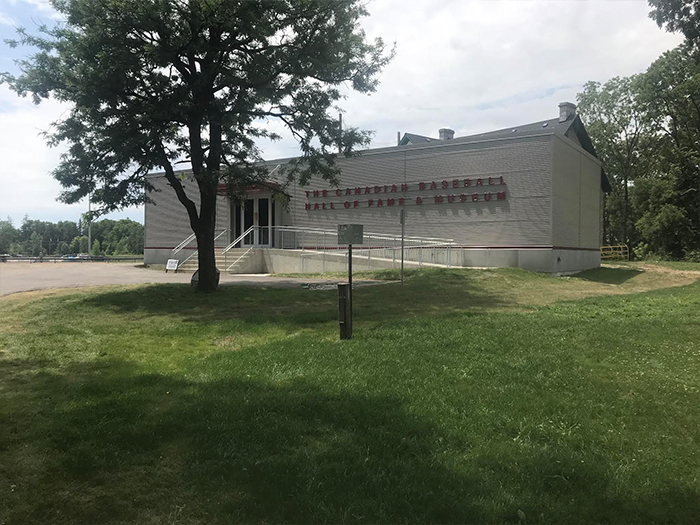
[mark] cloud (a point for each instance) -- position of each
(6, 20)
(43, 7)
(473, 66)
(26, 185)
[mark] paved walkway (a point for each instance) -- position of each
(23, 277)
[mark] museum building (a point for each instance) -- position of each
(529, 196)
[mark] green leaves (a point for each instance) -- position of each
(646, 130)
(156, 81)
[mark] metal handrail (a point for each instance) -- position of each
(239, 239)
(369, 235)
(190, 256)
(184, 243)
(241, 257)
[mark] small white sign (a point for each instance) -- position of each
(172, 265)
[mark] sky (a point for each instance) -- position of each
(472, 66)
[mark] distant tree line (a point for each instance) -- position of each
(35, 238)
(646, 130)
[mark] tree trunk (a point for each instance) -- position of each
(208, 279)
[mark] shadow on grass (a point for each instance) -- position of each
(439, 292)
(110, 443)
(608, 275)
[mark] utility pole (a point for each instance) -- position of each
(340, 133)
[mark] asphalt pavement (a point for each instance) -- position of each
(18, 277)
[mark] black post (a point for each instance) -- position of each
(344, 311)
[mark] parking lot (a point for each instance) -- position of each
(24, 276)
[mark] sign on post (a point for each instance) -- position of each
(350, 233)
(172, 265)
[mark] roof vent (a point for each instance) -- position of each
(545, 124)
(447, 134)
(567, 111)
(514, 130)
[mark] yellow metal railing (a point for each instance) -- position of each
(618, 252)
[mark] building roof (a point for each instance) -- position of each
(412, 138)
(571, 126)
(543, 127)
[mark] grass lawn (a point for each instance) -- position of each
(676, 265)
(466, 396)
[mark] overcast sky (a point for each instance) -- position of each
(473, 66)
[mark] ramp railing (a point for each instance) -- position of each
(387, 247)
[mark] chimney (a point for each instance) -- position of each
(447, 134)
(567, 111)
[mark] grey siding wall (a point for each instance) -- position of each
(576, 194)
(522, 219)
(166, 220)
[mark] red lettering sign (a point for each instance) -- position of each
(501, 196)
(346, 204)
(475, 197)
(419, 200)
(438, 199)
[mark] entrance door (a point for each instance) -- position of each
(256, 211)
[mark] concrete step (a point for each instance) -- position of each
(221, 264)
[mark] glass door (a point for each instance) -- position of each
(256, 211)
(263, 221)
(247, 220)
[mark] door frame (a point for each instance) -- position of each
(239, 218)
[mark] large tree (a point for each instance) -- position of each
(155, 82)
(678, 16)
(670, 94)
(620, 132)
